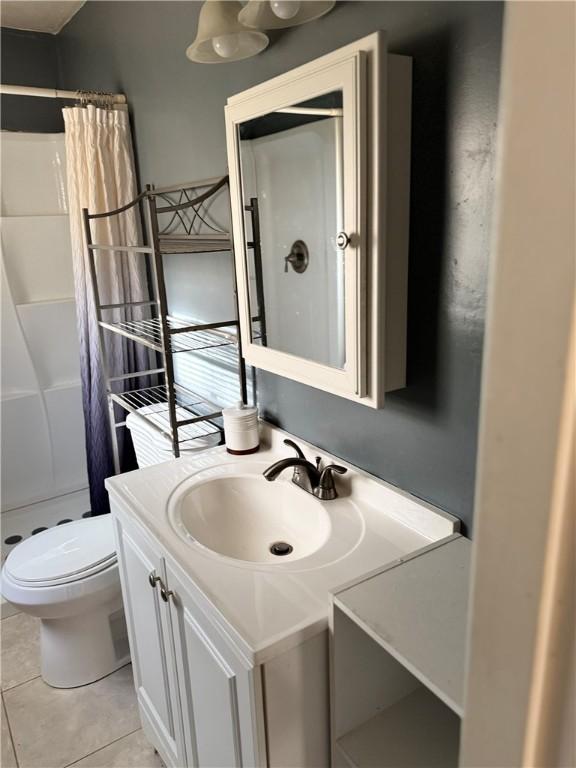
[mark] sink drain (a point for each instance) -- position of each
(281, 548)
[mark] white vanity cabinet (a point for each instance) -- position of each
(196, 696)
(231, 656)
(203, 702)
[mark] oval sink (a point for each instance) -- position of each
(248, 518)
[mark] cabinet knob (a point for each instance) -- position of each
(165, 594)
(153, 579)
(342, 240)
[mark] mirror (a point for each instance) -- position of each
(291, 175)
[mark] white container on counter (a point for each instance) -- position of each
(241, 429)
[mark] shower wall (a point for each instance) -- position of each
(43, 453)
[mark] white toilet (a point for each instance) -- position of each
(68, 577)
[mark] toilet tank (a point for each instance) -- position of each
(151, 447)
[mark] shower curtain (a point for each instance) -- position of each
(101, 177)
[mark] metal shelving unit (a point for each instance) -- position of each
(171, 408)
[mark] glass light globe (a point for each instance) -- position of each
(285, 9)
(226, 45)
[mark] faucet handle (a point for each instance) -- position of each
(333, 468)
(297, 448)
(326, 490)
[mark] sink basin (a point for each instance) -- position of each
(247, 518)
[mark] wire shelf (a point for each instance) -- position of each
(172, 244)
(194, 243)
(182, 338)
(194, 413)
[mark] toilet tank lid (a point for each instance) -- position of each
(63, 551)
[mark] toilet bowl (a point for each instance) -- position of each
(68, 577)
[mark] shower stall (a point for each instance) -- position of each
(44, 480)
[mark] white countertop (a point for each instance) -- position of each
(273, 607)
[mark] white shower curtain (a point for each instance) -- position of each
(101, 177)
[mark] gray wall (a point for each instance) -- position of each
(424, 440)
(30, 58)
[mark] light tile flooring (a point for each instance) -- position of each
(95, 726)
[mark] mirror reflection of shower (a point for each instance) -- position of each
(291, 163)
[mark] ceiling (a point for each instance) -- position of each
(38, 15)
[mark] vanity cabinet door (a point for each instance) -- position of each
(220, 700)
(148, 618)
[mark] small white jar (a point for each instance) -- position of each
(241, 429)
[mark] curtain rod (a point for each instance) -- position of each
(52, 93)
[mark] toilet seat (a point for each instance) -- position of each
(81, 576)
(64, 554)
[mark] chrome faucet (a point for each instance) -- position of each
(312, 479)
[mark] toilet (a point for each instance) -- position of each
(68, 577)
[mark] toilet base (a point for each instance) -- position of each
(81, 649)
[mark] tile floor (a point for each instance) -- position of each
(95, 726)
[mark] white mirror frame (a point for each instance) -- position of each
(375, 330)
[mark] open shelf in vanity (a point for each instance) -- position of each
(398, 653)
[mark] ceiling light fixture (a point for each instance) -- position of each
(222, 37)
(285, 9)
(277, 14)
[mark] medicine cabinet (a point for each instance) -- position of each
(319, 180)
